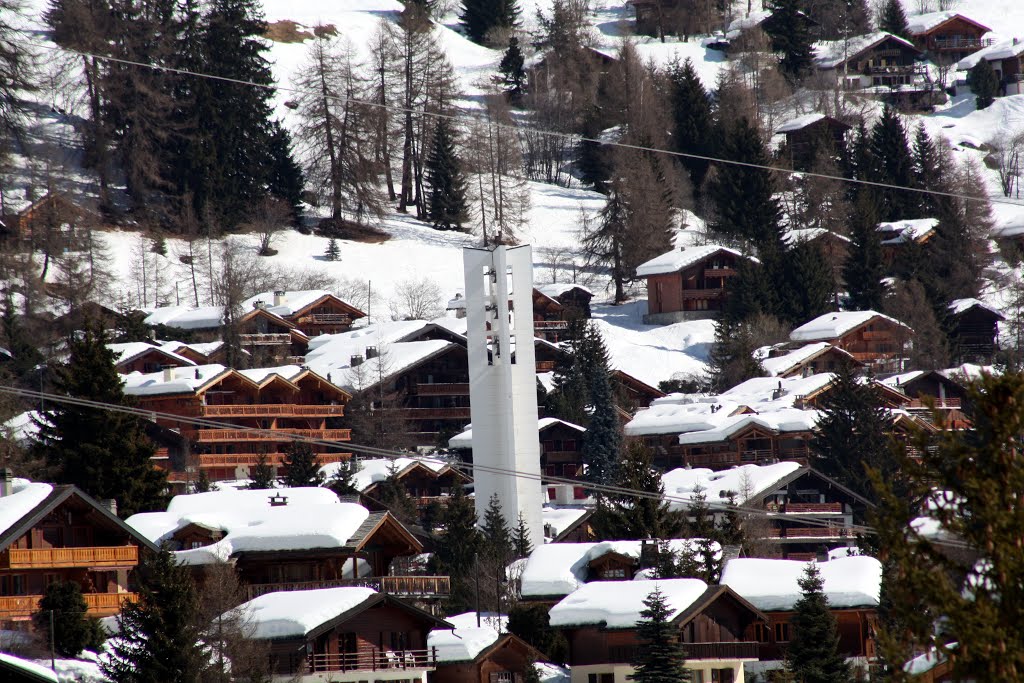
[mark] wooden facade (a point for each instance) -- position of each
(69, 536)
(151, 360)
(698, 289)
(975, 334)
(326, 315)
(878, 342)
(856, 627)
(552, 313)
(383, 635)
(505, 661)
(953, 39)
(424, 485)
(804, 142)
(270, 339)
(889, 61)
(50, 216)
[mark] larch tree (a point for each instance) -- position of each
(812, 655)
(499, 192)
(104, 453)
(909, 303)
(16, 75)
(660, 658)
(968, 605)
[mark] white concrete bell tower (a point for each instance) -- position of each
(503, 386)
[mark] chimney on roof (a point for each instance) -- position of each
(6, 483)
(277, 500)
(259, 303)
(110, 504)
(280, 298)
(355, 361)
(371, 352)
(168, 371)
(198, 376)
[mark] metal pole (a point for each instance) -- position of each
(53, 647)
(476, 561)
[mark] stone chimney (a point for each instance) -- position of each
(355, 361)
(168, 371)
(371, 352)
(6, 483)
(279, 298)
(110, 504)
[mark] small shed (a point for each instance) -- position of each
(807, 134)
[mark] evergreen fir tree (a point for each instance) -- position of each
(603, 438)
(393, 495)
(202, 483)
(892, 164)
(660, 657)
(984, 84)
(692, 121)
(521, 544)
(852, 434)
(495, 532)
(809, 285)
(444, 178)
(592, 158)
(480, 17)
(626, 517)
(333, 253)
(790, 33)
(864, 267)
(456, 548)
(894, 20)
(301, 466)
(926, 170)
(531, 622)
(159, 637)
(730, 529)
(530, 673)
(73, 629)
(261, 476)
(104, 453)
(342, 482)
(25, 357)
(731, 359)
(285, 180)
(513, 75)
(812, 655)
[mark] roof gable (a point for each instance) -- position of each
(684, 257)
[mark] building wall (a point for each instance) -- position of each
(664, 293)
(620, 673)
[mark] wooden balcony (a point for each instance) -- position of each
(960, 43)
(404, 586)
(811, 532)
(272, 410)
(265, 339)
(207, 460)
(803, 508)
(945, 403)
(545, 365)
(97, 604)
(325, 319)
(719, 272)
(694, 651)
(54, 558)
(550, 324)
(703, 293)
(374, 660)
(460, 413)
(232, 435)
(442, 389)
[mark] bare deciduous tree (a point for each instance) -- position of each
(416, 299)
(269, 217)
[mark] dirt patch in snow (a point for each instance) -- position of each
(288, 31)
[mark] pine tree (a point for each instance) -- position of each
(456, 548)
(894, 20)
(852, 434)
(692, 122)
(984, 84)
(626, 517)
(159, 637)
(285, 178)
(25, 357)
(808, 285)
(531, 622)
(202, 483)
(301, 466)
(513, 75)
(342, 482)
(393, 495)
(864, 267)
(262, 475)
(730, 529)
(521, 545)
(660, 657)
(891, 163)
(333, 253)
(790, 33)
(495, 533)
(104, 453)
(812, 655)
(926, 170)
(603, 439)
(73, 629)
(971, 480)
(447, 209)
(480, 17)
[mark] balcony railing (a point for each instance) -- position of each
(703, 293)
(719, 272)
(550, 325)
(326, 319)
(250, 459)
(545, 365)
(97, 604)
(811, 532)
(272, 410)
(961, 43)
(938, 403)
(213, 435)
(406, 586)
(798, 508)
(443, 389)
(458, 413)
(694, 651)
(46, 558)
(265, 339)
(374, 660)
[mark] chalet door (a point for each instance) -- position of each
(53, 537)
(348, 650)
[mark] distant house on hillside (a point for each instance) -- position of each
(688, 283)
(975, 330)
(879, 64)
(472, 653)
(1007, 60)
(900, 237)
(144, 357)
(806, 135)
(314, 311)
(783, 360)
(947, 36)
(869, 336)
(52, 215)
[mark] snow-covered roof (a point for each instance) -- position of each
(746, 481)
(292, 302)
(465, 438)
(754, 18)
(557, 289)
(836, 324)
(312, 518)
(828, 54)
(204, 348)
(771, 585)
(958, 306)
(392, 360)
(617, 604)
(560, 518)
(800, 122)
(905, 231)
(293, 614)
(997, 51)
(466, 640)
(185, 380)
(561, 568)
(785, 420)
(22, 428)
(781, 364)
(129, 350)
(670, 418)
(31, 669)
(186, 317)
(677, 259)
(25, 497)
(780, 392)
(796, 235)
(373, 470)
(923, 23)
(897, 381)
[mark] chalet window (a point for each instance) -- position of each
(697, 676)
(12, 584)
(722, 676)
(503, 677)
(613, 573)
(781, 633)
(762, 633)
(601, 678)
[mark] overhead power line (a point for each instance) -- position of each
(805, 518)
(539, 131)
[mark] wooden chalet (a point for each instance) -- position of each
(555, 305)
(806, 135)
(425, 484)
(688, 283)
(282, 403)
(460, 659)
(270, 339)
(51, 215)
(315, 312)
(1007, 60)
(933, 397)
(947, 36)
(904, 238)
(59, 533)
(580, 530)
(975, 334)
(343, 635)
(783, 360)
(871, 337)
(711, 629)
(145, 358)
(880, 64)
